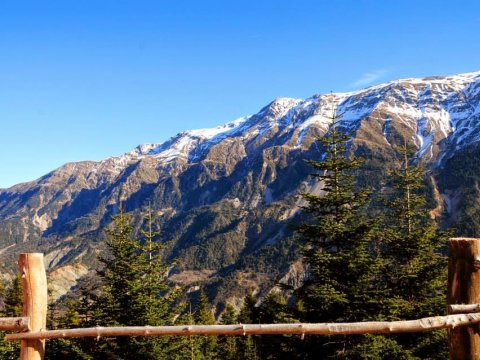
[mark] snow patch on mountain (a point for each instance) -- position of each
(424, 137)
(182, 144)
(386, 130)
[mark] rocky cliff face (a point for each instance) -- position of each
(225, 197)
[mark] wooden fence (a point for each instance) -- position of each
(462, 320)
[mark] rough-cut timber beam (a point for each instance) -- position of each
(463, 308)
(375, 327)
(14, 323)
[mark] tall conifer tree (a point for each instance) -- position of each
(227, 345)
(12, 298)
(339, 246)
(207, 345)
(415, 260)
(247, 346)
(274, 309)
(136, 291)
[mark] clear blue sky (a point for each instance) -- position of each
(88, 79)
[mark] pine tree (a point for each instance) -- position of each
(416, 265)
(186, 347)
(135, 289)
(64, 349)
(248, 345)
(83, 310)
(227, 345)
(340, 247)
(274, 309)
(12, 298)
(204, 316)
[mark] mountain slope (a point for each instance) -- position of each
(225, 196)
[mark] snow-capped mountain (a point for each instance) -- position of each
(225, 196)
(434, 108)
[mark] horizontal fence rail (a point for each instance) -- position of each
(372, 327)
(463, 308)
(14, 323)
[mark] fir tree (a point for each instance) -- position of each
(65, 314)
(186, 347)
(61, 348)
(248, 345)
(135, 289)
(227, 345)
(274, 309)
(340, 248)
(415, 261)
(207, 345)
(12, 298)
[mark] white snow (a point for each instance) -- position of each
(423, 136)
(210, 133)
(303, 128)
(386, 130)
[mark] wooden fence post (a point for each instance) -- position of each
(34, 284)
(464, 288)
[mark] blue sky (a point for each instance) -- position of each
(88, 79)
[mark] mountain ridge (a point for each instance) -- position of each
(159, 149)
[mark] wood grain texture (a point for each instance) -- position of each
(14, 323)
(372, 327)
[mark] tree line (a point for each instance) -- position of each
(368, 257)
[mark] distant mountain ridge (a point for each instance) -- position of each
(225, 196)
(437, 109)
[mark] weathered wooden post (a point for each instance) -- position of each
(464, 288)
(34, 284)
